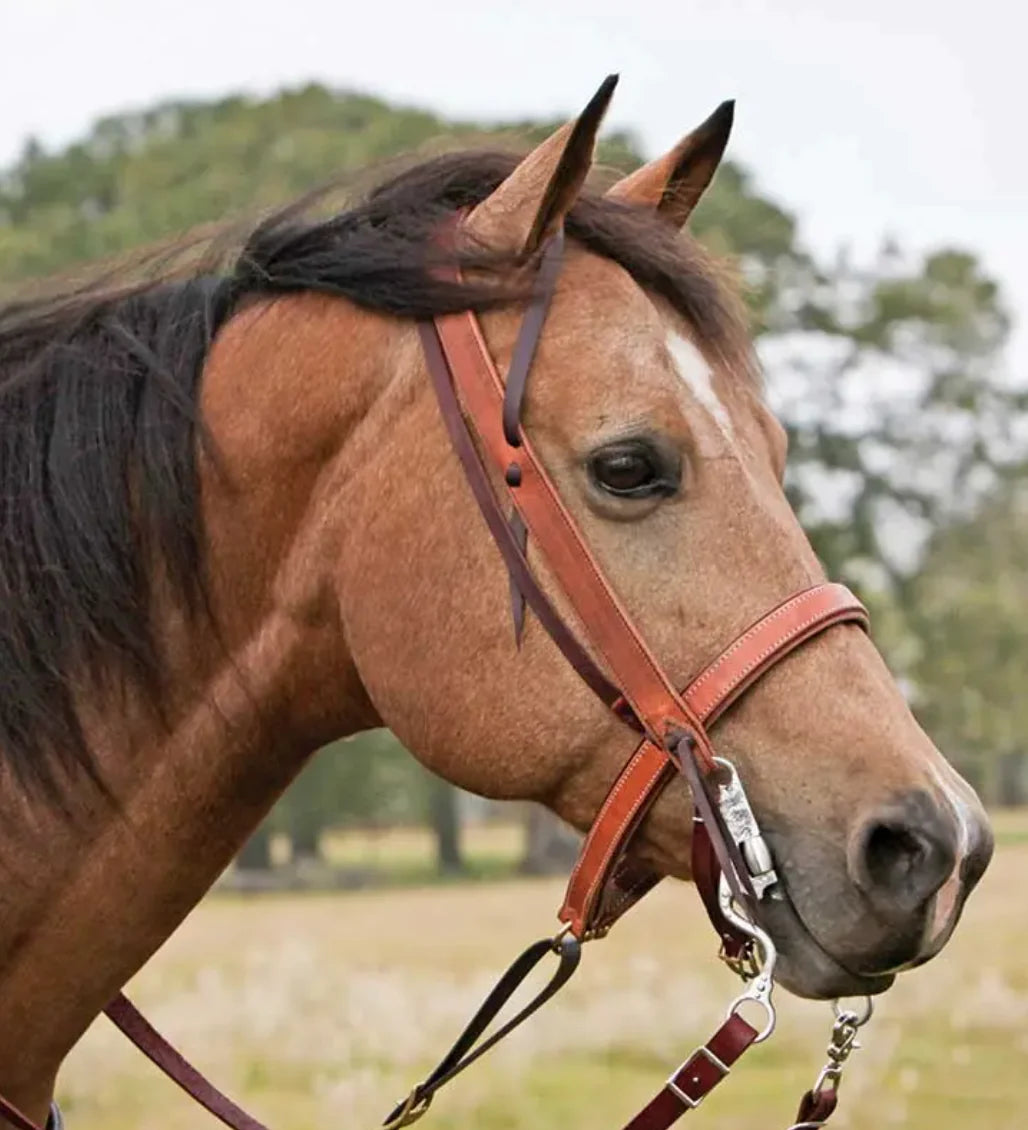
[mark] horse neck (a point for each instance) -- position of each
(87, 901)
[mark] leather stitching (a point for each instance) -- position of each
(822, 614)
(615, 841)
(618, 785)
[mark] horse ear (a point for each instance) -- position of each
(674, 183)
(530, 205)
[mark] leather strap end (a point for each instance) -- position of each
(816, 1108)
(517, 597)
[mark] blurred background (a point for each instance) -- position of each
(876, 198)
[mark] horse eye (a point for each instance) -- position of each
(630, 470)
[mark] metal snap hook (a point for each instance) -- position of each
(765, 958)
(759, 992)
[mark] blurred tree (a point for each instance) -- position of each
(887, 378)
(970, 610)
(444, 817)
(256, 853)
(551, 846)
(366, 781)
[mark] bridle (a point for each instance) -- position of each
(732, 866)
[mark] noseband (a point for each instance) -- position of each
(732, 865)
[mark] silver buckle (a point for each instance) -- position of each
(677, 1091)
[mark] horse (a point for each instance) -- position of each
(235, 528)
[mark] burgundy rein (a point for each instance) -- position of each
(482, 416)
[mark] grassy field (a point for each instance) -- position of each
(319, 1010)
(408, 854)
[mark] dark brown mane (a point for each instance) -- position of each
(99, 426)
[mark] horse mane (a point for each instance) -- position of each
(100, 422)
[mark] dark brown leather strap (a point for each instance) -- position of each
(10, 1113)
(516, 385)
(517, 597)
(464, 1052)
(156, 1048)
(528, 338)
(706, 874)
(505, 537)
(697, 1077)
(706, 1068)
(816, 1108)
(726, 851)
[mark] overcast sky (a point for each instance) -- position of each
(898, 116)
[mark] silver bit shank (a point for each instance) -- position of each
(742, 826)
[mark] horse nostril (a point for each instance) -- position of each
(902, 855)
(894, 855)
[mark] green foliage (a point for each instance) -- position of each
(141, 177)
(886, 379)
(735, 219)
(365, 781)
(970, 603)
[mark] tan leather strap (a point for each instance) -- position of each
(769, 640)
(604, 620)
(737, 668)
(508, 535)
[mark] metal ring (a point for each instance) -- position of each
(412, 1109)
(724, 763)
(768, 950)
(765, 1004)
(560, 935)
(859, 1019)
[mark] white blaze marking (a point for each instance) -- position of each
(946, 899)
(961, 810)
(696, 373)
